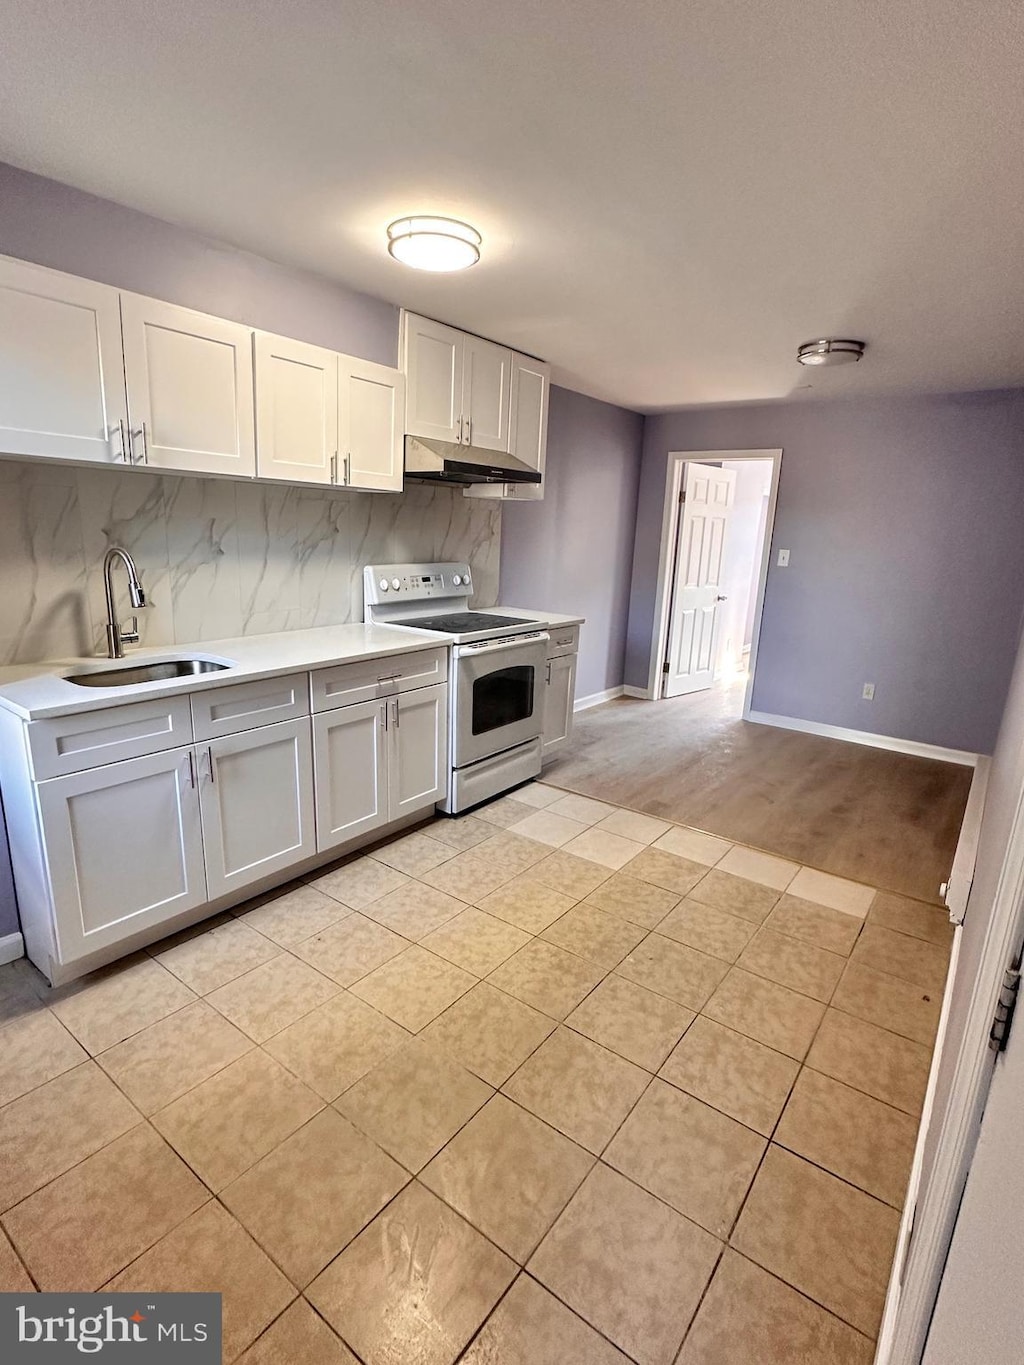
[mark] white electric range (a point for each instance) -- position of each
(495, 679)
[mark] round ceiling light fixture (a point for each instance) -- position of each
(427, 242)
(830, 351)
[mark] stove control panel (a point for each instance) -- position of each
(412, 583)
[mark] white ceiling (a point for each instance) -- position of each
(673, 194)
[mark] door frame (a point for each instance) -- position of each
(677, 460)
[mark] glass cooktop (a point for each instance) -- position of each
(462, 622)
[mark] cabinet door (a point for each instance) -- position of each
(190, 396)
(256, 793)
(124, 847)
(559, 696)
(528, 430)
(350, 762)
(433, 357)
(296, 410)
(419, 749)
(371, 410)
(486, 393)
(61, 371)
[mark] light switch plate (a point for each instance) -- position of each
(783, 559)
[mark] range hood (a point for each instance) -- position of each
(445, 462)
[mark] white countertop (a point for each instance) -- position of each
(37, 691)
(40, 691)
(547, 618)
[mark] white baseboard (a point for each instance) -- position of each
(12, 946)
(641, 693)
(899, 746)
(596, 698)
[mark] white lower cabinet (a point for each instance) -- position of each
(256, 797)
(118, 851)
(350, 756)
(419, 750)
(559, 696)
(379, 761)
(124, 848)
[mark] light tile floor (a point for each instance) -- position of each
(552, 1083)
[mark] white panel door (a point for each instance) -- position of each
(350, 762)
(486, 394)
(61, 369)
(296, 410)
(433, 357)
(418, 722)
(371, 412)
(528, 430)
(190, 393)
(697, 586)
(256, 792)
(559, 696)
(124, 846)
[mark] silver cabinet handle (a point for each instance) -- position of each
(213, 770)
(192, 769)
(334, 467)
(398, 719)
(119, 432)
(462, 422)
(384, 715)
(469, 431)
(565, 640)
(348, 470)
(144, 457)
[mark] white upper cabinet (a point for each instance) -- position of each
(371, 408)
(528, 440)
(459, 386)
(486, 389)
(528, 430)
(296, 410)
(61, 376)
(433, 362)
(190, 388)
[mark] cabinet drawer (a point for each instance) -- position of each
(564, 640)
(71, 744)
(245, 706)
(373, 678)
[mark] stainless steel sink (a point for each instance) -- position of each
(142, 673)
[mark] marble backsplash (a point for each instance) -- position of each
(218, 557)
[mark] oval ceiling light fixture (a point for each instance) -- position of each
(427, 242)
(830, 351)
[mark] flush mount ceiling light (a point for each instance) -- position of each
(830, 351)
(427, 242)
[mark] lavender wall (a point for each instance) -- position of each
(573, 551)
(66, 229)
(903, 519)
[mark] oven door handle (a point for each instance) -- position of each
(516, 642)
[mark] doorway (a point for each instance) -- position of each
(716, 541)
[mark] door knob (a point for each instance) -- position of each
(721, 599)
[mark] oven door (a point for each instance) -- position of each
(499, 696)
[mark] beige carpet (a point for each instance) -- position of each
(887, 819)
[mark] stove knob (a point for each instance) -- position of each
(456, 579)
(383, 585)
(396, 583)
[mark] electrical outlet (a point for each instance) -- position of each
(868, 692)
(783, 559)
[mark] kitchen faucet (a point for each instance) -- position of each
(117, 637)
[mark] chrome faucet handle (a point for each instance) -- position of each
(130, 634)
